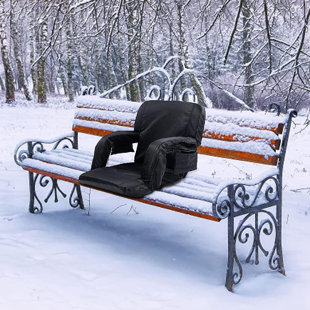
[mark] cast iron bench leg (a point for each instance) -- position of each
(256, 222)
(35, 204)
(231, 253)
(76, 201)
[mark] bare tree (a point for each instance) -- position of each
(41, 45)
(134, 10)
(17, 53)
(9, 79)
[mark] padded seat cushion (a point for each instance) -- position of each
(123, 179)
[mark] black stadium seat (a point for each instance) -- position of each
(168, 134)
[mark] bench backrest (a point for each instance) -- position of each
(254, 137)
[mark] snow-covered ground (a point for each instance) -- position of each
(127, 255)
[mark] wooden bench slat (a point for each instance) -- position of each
(278, 129)
(235, 137)
(173, 208)
(258, 120)
(108, 121)
(91, 131)
(86, 102)
(255, 158)
(61, 160)
(52, 175)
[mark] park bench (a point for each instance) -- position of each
(256, 137)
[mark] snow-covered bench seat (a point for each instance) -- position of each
(257, 137)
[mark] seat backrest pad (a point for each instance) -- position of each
(162, 119)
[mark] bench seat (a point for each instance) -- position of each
(196, 193)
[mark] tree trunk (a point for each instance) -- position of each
(123, 69)
(2, 86)
(82, 57)
(84, 70)
(9, 79)
(63, 79)
(41, 64)
(134, 41)
(32, 35)
(17, 53)
(111, 77)
(99, 69)
(182, 46)
(110, 72)
(247, 54)
(69, 61)
(50, 77)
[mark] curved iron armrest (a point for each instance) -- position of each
(241, 198)
(114, 143)
(27, 148)
(182, 157)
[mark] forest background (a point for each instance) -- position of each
(255, 50)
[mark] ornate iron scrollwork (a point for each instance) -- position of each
(222, 209)
(267, 189)
(44, 181)
(21, 153)
(29, 148)
(36, 205)
(251, 200)
(65, 142)
(76, 201)
(155, 93)
(246, 196)
(248, 232)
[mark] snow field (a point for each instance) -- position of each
(126, 255)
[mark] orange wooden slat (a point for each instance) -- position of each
(277, 129)
(52, 175)
(147, 201)
(255, 158)
(108, 121)
(91, 131)
(275, 143)
(103, 108)
(173, 208)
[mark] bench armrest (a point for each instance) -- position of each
(182, 154)
(26, 148)
(114, 143)
(240, 198)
